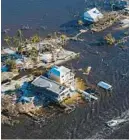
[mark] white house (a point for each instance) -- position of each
(51, 89)
(93, 15)
(62, 75)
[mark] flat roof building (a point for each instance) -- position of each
(51, 88)
(62, 75)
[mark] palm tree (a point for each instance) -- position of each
(109, 39)
(35, 39)
(19, 34)
(8, 40)
(20, 49)
(11, 64)
(34, 54)
(16, 42)
(63, 38)
(80, 22)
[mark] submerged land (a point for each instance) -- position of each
(103, 47)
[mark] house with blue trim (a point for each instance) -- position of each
(92, 15)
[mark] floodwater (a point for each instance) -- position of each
(110, 64)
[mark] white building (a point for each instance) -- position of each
(93, 15)
(62, 75)
(51, 89)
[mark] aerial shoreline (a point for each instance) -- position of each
(109, 63)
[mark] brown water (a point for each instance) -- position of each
(111, 64)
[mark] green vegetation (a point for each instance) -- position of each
(37, 72)
(17, 86)
(80, 22)
(33, 53)
(11, 64)
(35, 39)
(19, 35)
(8, 39)
(109, 39)
(63, 37)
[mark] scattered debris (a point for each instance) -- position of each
(26, 27)
(124, 23)
(108, 20)
(5, 31)
(120, 4)
(5, 76)
(87, 71)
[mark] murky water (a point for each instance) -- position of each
(111, 64)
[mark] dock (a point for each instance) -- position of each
(87, 95)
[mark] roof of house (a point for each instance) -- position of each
(104, 85)
(59, 70)
(48, 84)
(93, 13)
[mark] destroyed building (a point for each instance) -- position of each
(121, 4)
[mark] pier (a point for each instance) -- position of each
(87, 95)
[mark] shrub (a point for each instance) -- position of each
(37, 72)
(11, 64)
(17, 86)
(109, 39)
(80, 22)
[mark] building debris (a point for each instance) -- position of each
(108, 20)
(5, 76)
(8, 51)
(120, 4)
(124, 23)
(87, 71)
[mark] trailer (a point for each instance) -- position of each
(105, 86)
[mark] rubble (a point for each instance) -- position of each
(108, 20)
(7, 76)
(11, 109)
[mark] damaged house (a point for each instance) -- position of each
(57, 86)
(93, 15)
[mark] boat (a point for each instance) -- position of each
(114, 123)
